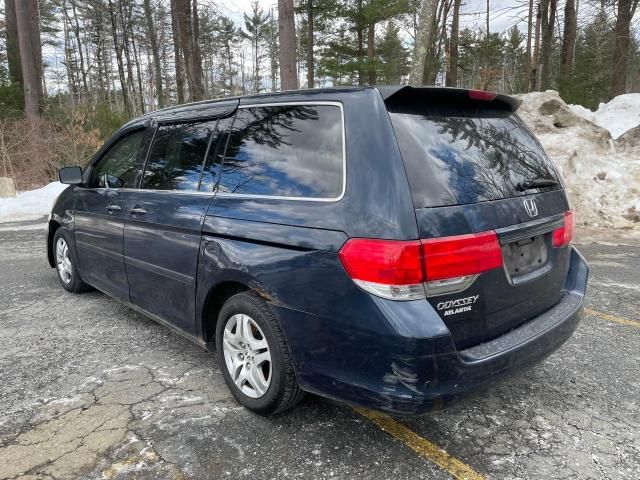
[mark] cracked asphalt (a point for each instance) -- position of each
(92, 389)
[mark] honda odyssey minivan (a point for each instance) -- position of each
(391, 247)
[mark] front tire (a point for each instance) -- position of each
(253, 356)
(66, 264)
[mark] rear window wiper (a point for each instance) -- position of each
(536, 183)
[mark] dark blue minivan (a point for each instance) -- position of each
(391, 247)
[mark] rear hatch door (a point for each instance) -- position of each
(473, 166)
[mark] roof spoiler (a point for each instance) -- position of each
(398, 92)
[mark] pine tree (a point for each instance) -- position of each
(393, 57)
(226, 37)
(592, 69)
(256, 31)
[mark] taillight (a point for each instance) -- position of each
(482, 95)
(408, 270)
(461, 255)
(387, 268)
(564, 235)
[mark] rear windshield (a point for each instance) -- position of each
(457, 154)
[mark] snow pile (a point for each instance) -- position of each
(619, 115)
(30, 205)
(603, 181)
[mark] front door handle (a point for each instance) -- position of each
(138, 211)
(113, 208)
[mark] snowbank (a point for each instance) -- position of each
(619, 115)
(30, 205)
(603, 181)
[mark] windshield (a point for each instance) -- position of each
(457, 155)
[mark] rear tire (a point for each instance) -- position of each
(67, 264)
(253, 356)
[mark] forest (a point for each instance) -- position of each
(72, 71)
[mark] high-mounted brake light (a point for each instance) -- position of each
(482, 95)
(564, 235)
(408, 270)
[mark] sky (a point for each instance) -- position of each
(503, 13)
(472, 12)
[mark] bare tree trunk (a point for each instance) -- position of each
(243, 78)
(487, 19)
(527, 82)
(30, 56)
(175, 28)
(118, 48)
(433, 68)
(536, 50)
(371, 53)
(310, 43)
(197, 90)
(183, 17)
(100, 62)
(360, 53)
(548, 24)
(136, 61)
(452, 72)
(13, 47)
(256, 64)
(360, 35)
(153, 41)
(568, 45)
(272, 46)
(125, 22)
(71, 80)
(86, 41)
(287, 36)
(626, 9)
(421, 45)
(229, 53)
(76, 33)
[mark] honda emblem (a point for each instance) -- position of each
(531, 207)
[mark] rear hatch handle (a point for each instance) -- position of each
(520, 231)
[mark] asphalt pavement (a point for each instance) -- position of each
(91, 389)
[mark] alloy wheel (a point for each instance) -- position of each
(247, 355)
(63, 261)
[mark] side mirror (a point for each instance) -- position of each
(70, 175)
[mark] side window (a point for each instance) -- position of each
(118, 167)
(212, 167)
(176, 156)
(289, 150)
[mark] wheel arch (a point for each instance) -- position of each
(215, 299)
(51, 231)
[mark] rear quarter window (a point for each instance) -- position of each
(460, 155)
(287, 150)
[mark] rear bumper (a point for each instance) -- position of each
(416, 368)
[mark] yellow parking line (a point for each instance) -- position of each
(612, 318)
(423, 447)
(429, 450)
